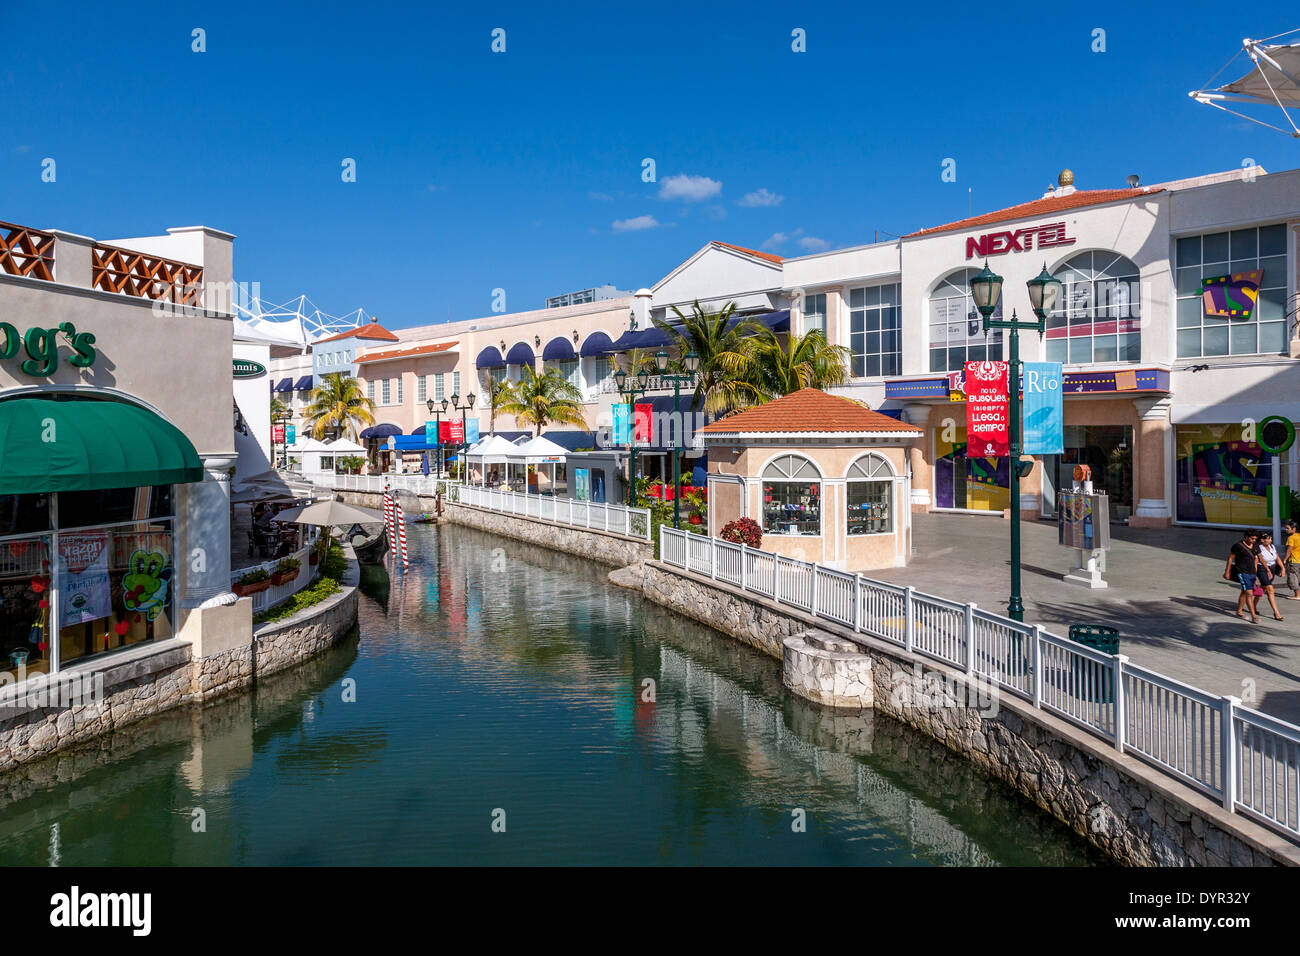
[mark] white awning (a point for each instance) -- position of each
(539, 450)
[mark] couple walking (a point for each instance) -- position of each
(1255, 563)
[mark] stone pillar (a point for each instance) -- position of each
(918, 414)
(1152, 465)
(205, 556)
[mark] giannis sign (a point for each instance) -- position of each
(41, 347)
(245, 368)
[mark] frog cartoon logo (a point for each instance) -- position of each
(145, 584)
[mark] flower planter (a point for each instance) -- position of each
(244, 590)
(313, 559)
(695, 519)
(283, 577)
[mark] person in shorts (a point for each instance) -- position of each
(1291, 558)
(1268, 566)
(1241, 567)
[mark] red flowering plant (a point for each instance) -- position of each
(743, 531)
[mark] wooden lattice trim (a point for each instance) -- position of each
(145, 276)
(26, 252)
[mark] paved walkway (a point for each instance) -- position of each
(1167, 596)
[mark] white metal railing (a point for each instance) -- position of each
(600, 516)
(279, 592)
(1248, 761)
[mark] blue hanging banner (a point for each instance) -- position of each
(622, 424)
(471, 431)
(1044, 415)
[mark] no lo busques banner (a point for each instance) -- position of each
(986, 410)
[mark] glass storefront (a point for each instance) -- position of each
(973, 484)
(1220, 477)
(1108, 451)
(82, 573)
(791, 497)
(869, 495)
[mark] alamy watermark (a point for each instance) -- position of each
(920, 689)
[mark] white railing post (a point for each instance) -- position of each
(713, 558)
(1228, 751)
(776, 578)
(815, 590)
(857, 602)
(744, 567)
(606, 517)
(1038, 665)
(1121, 708)
(627, 522)
(970, 639)
(907, 618)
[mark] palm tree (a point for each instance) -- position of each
(722, 345)
(279, 408)
(772, 368)
(497, 395)
(542, 399)
(339, 405)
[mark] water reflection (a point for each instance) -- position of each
(504, 676)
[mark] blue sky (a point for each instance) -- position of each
(478, 170)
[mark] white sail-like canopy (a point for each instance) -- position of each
(296, 322)
(1273, 80)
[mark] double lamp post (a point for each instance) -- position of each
(986, 290)
(632, 384)
(437, 413)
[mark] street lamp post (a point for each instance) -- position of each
(282, 419)
(691, 362)
(636, 383)
(469, 404)
(437, 414)
(986, 290)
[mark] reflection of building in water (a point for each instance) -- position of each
(864, 791)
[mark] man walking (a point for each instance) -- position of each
(1291, 559)
(1241, 565)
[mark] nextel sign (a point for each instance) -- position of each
(1021, 240)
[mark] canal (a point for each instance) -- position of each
(500, 686)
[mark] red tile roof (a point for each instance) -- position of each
(751, 252)
(809, 410)
(410, 352)
(371, 330)
(1043, 207)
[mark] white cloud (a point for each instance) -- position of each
(689, 188)
(601, 197)
(813, 244)
(635, 224)
(760, 197)
(775, 241)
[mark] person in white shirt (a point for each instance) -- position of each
(1267, 568)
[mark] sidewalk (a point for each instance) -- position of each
(1167, 596)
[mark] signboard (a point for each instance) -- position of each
(41, 347)
(1083, 521)
(1018, 240)
(277, 434)
(84, 592)
(622, 423)
(641, 423)
(431, 432)
(986, 410)
(444, 432)
(582, 484)
(456, 433)
(1231, 296)
(471, 431)
(290, 434)
(246, 368)
(1044, 414)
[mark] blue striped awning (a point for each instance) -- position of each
(597, 343)
(559, 349)
(284, 385)
(489, 358)
(520, 354)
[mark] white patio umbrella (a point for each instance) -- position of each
(331, 514)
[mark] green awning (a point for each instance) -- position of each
(51, 444)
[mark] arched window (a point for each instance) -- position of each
(1098, 317)
(870, 496)
(956, 328)
(792, 497)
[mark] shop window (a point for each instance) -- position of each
(956, 328)
(1220, 477)
(971, 484)
(1261, 249)
(870, 496)
(814, 313)
(568, 369)
(875, 331)
(1098, 318)
(101, 577)
(792, 497)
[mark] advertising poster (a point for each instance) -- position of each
(974, 484)
(444, 432)
(1083, 521)
(622, 423)
(431, 431)
(456, 432)
(290, 434)
(1221, 478)
(986, 409)
(83, 578)
(643, 417)
(471, 431)
(1044, 414)
(277, 434)
(582, 484)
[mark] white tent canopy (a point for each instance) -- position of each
(491, 450)
(307, 444)
(1273, 80)
(538, 451)
(342, 446)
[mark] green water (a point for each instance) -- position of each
(497, 681)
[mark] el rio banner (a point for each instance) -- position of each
(986, 410)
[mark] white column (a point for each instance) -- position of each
(203, 552)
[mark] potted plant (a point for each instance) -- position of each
(696, 501)
(743, 531)
(252, 582)
(285, 571)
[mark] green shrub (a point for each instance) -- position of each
(334, 564)
(323, 588)
(288, 564)
(256, 576)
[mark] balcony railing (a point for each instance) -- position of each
(26, 252)
(145, 276)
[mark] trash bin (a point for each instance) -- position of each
(1101, 687)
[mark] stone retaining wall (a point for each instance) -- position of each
(1133, 812)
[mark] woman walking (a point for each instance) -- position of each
(1241, 565)
(1268, 567)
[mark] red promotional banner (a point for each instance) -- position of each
(986, 410)
(456, 433)
(641, 423)
(444, 432)
(277, 433)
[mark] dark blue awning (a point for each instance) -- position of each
(597, 343)
(303, 384)
(558, 349)
(572, 441)
(520, 354)
(625, 342)
(489, 358)
(776, 321)
(653, 338)
(380, 431)
(284, 385)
